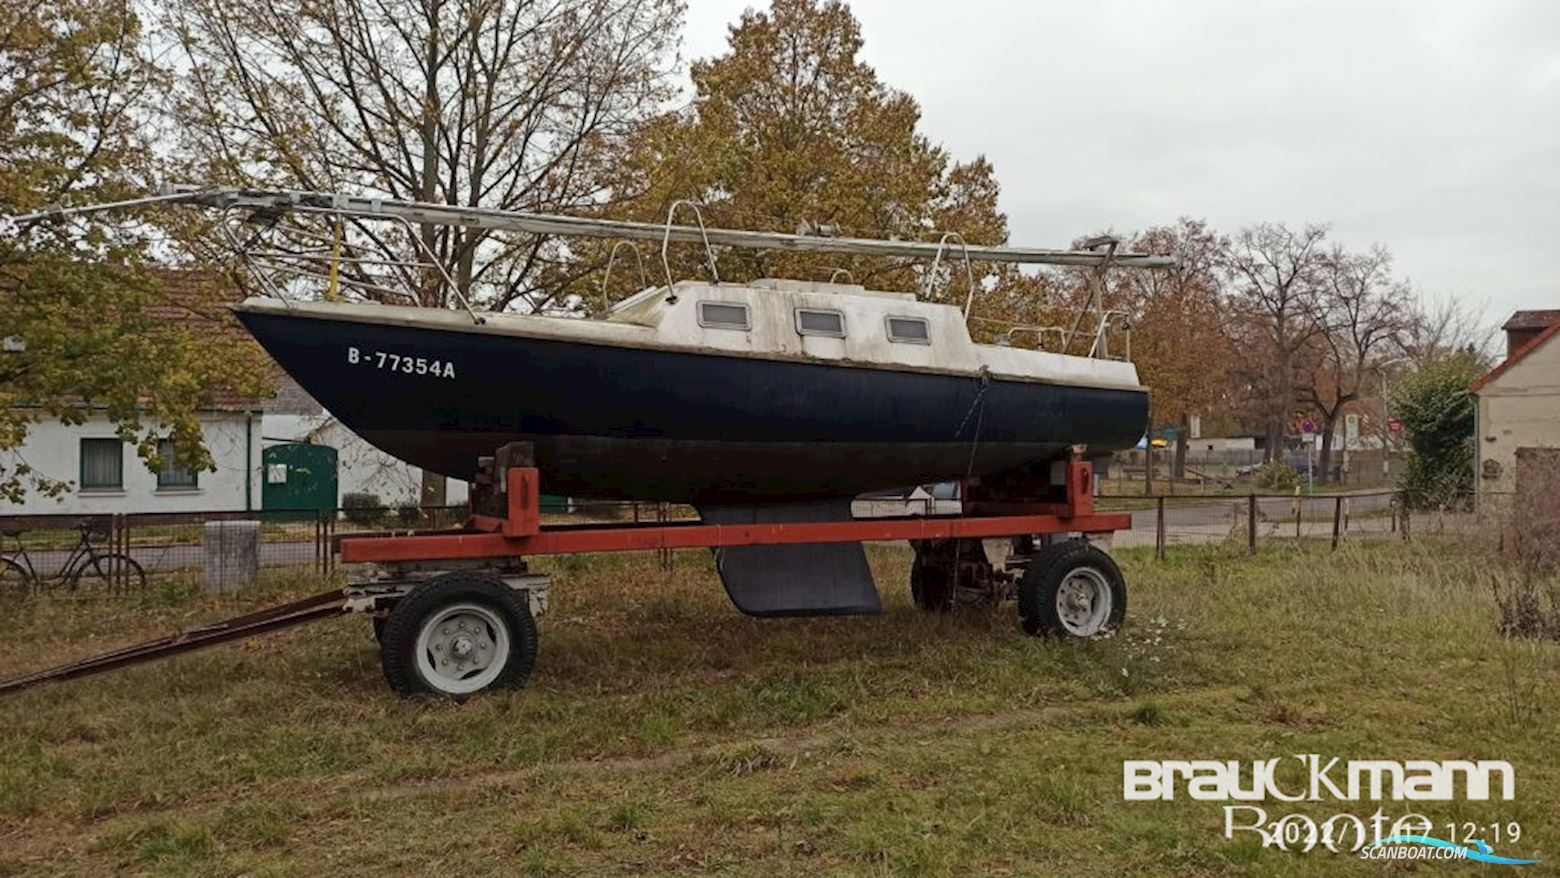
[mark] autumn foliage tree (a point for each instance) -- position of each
(790, 129)
(1178, 340)
(81, 318)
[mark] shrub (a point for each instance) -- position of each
(407, 515)
(362, 508)
(1276, 475)
(1437, 411)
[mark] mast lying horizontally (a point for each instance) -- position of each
(282, 201)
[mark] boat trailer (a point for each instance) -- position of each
(454, 612)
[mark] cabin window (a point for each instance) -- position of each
(102, 465)
(814, 321)
(173, 473)
(723, 315)
(909, 330)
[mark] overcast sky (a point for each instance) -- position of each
(1431, 127)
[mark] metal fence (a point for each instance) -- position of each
(1246, 523)
(40, 553)
(77, 555)
(1222, 469)
(1243, 523)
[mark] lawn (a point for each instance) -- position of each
(663, 732)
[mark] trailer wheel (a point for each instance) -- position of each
(948, 574)
(1072, 590)
(930, 588)
(456, 636)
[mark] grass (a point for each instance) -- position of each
(665, 733)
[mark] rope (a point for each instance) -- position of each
(980, 420)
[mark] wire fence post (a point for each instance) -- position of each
(124, 541)
(118, 571)
(1337, 519)
(1159, 528)
(663, 513)
(1251, 524)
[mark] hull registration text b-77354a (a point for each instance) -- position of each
(402, 363)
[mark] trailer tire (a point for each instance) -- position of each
(951, 574)
(1072, 589)
(457, 636)
(930, 588)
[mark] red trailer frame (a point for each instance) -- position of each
(520, 533)
(484, 564)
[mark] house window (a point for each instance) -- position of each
(723, 315)
(102, 465)
(812, 321)
(173, 474)
(909, 330)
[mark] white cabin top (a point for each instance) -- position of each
(842, 324)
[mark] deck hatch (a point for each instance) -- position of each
(818, 321)
(909, 330)
(724, 315)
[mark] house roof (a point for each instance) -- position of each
(199, 299)
(1533, 344)
(1539, 319)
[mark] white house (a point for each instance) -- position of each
(108, 476)
(1518, 412)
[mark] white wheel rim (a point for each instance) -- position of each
(1084, 602)
(462, 648)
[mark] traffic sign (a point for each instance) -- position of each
(1395, 427)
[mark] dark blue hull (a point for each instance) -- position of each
(652, 424)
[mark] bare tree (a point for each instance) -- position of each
(1445, 327)
(1274, 276)
(509, 104)
(1362, 314)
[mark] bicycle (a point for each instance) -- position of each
(18, 576)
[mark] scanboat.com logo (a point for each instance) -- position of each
(1391, 848)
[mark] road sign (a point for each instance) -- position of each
(1351, 429)
(1395, 427)
(1308, 427)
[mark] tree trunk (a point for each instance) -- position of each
(1324, 458)
(1274, 449)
